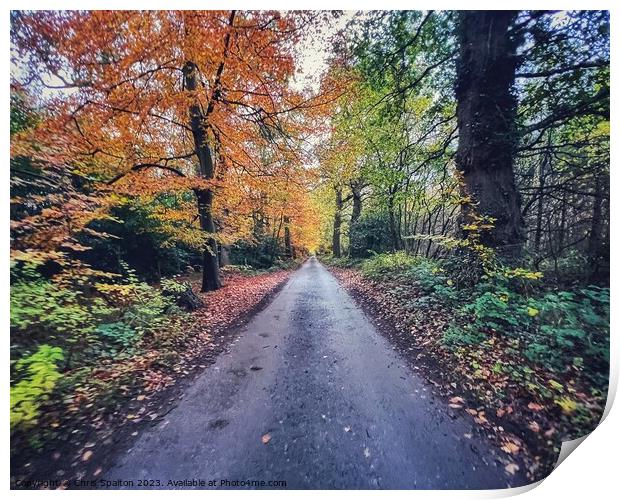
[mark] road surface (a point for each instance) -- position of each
(340, 407)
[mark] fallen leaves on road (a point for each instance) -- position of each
(266, 438)
(493, 375)
(512, 469)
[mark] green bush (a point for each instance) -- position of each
(44, 311)
(117, 336)
(568, 326)
(457, 336)
(554, 329)
(383, 264)
(432, 279)
(72, 320)
(34, 377)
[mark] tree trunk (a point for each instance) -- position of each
(355, 245)
(393, 228)
(337, 223)
(486, 111)
(288, 249)
(546, 159)
(596, 252)
(204, 197)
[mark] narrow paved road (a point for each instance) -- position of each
(342, 408)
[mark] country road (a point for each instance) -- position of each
(340, 407)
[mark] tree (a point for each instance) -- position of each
(486, 112)
(153, 102)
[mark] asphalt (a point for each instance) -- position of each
(340, 407)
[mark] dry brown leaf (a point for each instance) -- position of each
(266, 438)
(511, 469)
(457, 400)
(510, 447)
(87, 455)
(535, 407)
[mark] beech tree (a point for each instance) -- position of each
(486, 111)
(147, 102)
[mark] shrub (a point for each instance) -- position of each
(68, 319)
(568, 326)
(382, 264)
(554, 329)
(458, 336)
(432, 279)
(34, 378)
(45, 311)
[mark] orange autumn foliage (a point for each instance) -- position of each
(116, 110)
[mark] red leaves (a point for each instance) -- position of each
(239, 295)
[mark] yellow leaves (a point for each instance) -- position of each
(116, 289)
(519, 272)
(602, 129)
(477, 227)
(52, 213)
(556, 385)
(532, 311)
(122, 120)
(510, 447)
(567, 405)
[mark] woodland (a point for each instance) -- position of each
(170, 169)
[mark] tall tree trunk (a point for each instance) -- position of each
(394, 233)
(562, 229)
(355, 244)
(542, 171)
(595, 239)
(337, 223)
(204, 197)
(486, 109)
(288, 249)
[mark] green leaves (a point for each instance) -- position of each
(381, 264)
(37, 375)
